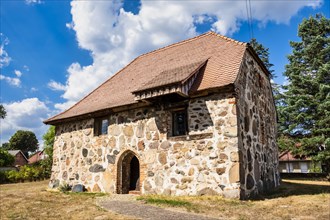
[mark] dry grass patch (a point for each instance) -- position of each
(33, 201)
(295, 199)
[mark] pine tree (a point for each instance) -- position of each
(263, 54)
(304, 115)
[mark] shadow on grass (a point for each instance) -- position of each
(296, 187)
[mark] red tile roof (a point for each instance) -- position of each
(288, 156)
(162, 66)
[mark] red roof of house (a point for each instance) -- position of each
(36, 157)
(172, 63)
(288, 156)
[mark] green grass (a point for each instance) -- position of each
(169, 202)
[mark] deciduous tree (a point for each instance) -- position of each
(25, 141)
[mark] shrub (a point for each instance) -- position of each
(6, 159)
(65, 187)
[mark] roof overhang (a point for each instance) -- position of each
(181, 85)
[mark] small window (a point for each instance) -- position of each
(101, 126)
(179, 122)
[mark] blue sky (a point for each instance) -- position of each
(55, 52)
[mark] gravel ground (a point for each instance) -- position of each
(125, 204)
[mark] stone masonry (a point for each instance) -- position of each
(204, 162)
(230, 148)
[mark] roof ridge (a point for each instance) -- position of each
(228, 38)
(176, 44)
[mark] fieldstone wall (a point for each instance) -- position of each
(204, 162)
(257, 131)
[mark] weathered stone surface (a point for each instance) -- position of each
(147, 186)
(222, 145)
(65, 175)
(231, 193)
(177, 146)
(141, 145)
(140, 130)
(254, 127)
(194, 161)
(162, 158)
(186, 179)
(234, 173)
(154, 145)
(84, 152)
(96, 188)
(112, 142)
(96, 168)
(221, 170)
(114, 130)
(207, 192)
(230, 132)
(159, 181)
(249, 182)
(150, 156)
(234, 156)
(151, 174)
(78, 188)
(223, 156)
(128, 131)
(151, 126)
(165, 145)
(175, 181)
(111, 159)
(191, 171)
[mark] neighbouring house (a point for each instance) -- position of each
(289, 163)
(20, 159)
(38, 156)
(193, 118)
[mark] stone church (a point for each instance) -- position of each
(193, 118)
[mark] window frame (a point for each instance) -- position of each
(98, 126)
(174, 117)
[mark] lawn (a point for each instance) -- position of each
(32, 201)
(296, 199)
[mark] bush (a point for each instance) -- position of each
(25, 173)
(65, 187)
(6, 159)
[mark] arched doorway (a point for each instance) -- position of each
(128, 173)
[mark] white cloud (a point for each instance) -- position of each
(4, 57)
(115, 36)
(56, 86)
(26, 68)
(18, 73)
(11, 81)
(26, 114)
(32, 2)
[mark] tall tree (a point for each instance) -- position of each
(3, 112)
(263, 53)
(49, 138)
(305, 111)
(25, 141)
